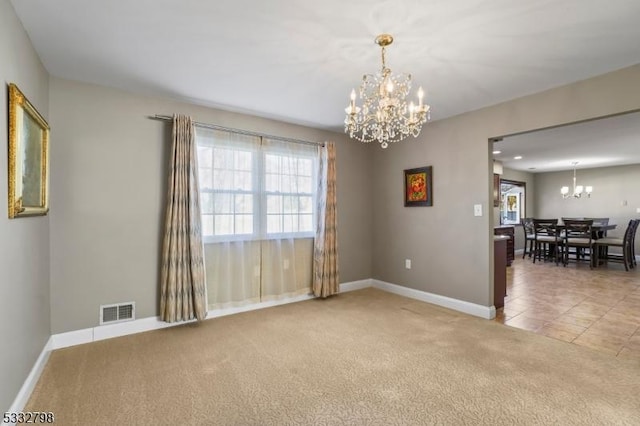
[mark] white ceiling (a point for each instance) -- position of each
(297, 60)
(610, 141)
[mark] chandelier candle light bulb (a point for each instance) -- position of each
(385, 116)
(353, 100)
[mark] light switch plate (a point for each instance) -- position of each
(407, 263)
(477, 209)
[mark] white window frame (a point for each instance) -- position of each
(255, 192)
(312, 194)
(260, 196)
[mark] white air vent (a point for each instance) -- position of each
(117, 313)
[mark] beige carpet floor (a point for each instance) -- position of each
(360, 358)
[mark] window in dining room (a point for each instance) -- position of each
(512, 201)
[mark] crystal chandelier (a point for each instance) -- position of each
(385, 115)
(577, 189)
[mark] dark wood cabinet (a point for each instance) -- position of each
(499, 271)
(510, 231)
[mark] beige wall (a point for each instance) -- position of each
(108, 183)
(613, 187)
(451, 249)
(24, 243)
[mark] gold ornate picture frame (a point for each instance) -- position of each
(28, 158)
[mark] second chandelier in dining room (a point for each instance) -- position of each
(578, 190)
(384, 115)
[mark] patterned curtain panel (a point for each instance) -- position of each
(183, 294)
(325, 253)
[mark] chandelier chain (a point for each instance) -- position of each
(384, 64)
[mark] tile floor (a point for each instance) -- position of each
(597, 308)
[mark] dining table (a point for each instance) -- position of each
(598, 230)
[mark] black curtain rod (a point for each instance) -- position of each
(242, 132)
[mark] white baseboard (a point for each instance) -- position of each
(72, 338)
(356, 285)
(486, 312)
(216, 313)
(93, 334)
(30, 383)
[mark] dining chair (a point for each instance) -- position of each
(600, 221)
(547, 239)
(564, 219)
(529, 236)
(577, 234)
(602, 246)
(633, 243)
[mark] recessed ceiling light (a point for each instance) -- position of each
(518, 157)
(497, 152)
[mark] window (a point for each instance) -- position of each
(289, 192)
(255, 188)
(512, 201)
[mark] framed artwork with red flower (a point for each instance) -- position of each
(418, 187)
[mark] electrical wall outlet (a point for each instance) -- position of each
(477, 209)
